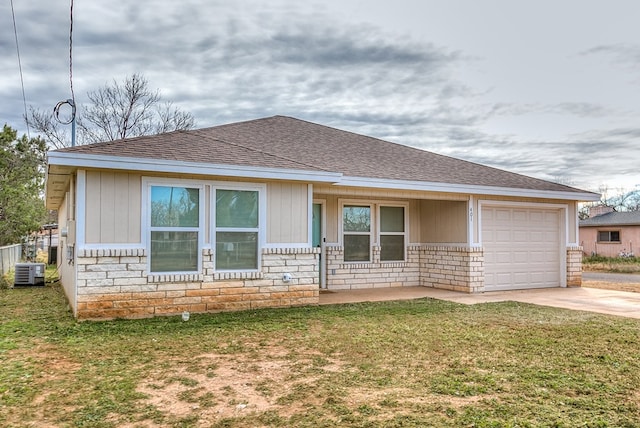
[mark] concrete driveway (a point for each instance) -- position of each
(620, 303)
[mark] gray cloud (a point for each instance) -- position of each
(264, 58)
(623, 53)
(579, 109)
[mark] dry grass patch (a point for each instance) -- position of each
(617, 286)
(222, 386)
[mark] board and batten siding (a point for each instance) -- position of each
(443, 221)
(287, 213)
(113, 203)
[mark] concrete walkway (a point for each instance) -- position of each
(620, 303)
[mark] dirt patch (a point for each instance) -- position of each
(212, 387)
(216, 386)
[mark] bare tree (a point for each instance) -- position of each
(55, 134)
(619, 199)
(116, 111)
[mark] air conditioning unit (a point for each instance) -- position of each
(29, 274)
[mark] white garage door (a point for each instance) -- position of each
(521, 247)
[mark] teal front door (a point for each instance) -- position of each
(316, 239)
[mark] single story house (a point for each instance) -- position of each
(267, 212)
(609, 233)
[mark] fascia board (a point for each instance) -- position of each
(156, 165)
(466, 188)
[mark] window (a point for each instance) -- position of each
(237, 214)
(608, 236)
(377, 223)
(392, 233)
(174, 231)
(356, 226)
(176, 219)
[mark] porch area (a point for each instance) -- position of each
(609, 302)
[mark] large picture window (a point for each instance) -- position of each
(237, 223)
(392, 233)
(174, 229)
(356, 226)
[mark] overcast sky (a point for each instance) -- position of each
(549, 89)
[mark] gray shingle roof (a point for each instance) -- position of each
(629, 218)
(285, 142)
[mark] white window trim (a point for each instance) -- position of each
(371, 233)
(146, 229)
(262, 218)
(374, 205)
(405, 233)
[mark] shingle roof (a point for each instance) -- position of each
(285, 142)
(629, 218)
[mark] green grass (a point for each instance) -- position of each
(416, 363)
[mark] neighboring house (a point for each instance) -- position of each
(609, 233)
(265, 213)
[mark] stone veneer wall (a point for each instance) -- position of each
(114, 284)
(453, 268)
(574, 266)
(377, 274)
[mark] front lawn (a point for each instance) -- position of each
(394, 364)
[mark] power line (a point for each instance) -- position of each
(73, 97)
(24, 98)
(72, 101)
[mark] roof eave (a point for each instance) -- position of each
(78, 160)
(82, 160)
(467, 188)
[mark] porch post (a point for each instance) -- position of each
(471, 221)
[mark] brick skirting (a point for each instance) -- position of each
(113, 283)
(377, 274)
(451, 268)
(574, 267)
